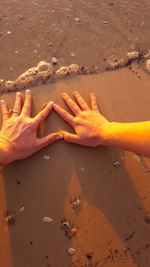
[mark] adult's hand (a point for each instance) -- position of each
(18, 136)
(89, 125)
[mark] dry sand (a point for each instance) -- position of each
(111, 222)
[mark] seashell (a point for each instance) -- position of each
(22, 209)
(77, 19)
(46, 157)
(116, 164)
(54, 60)
(65, 225)
(47, 219)
(71, 251)
(76, 203)
(10, 219)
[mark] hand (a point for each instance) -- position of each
(18, 136)
(88, 124)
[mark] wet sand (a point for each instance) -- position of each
(113, 230)
(84, 32)
(114, 201)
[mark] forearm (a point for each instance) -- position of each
(134, 137)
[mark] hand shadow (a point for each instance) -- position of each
(111, 190)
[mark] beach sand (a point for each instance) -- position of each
(113, 219)
(114, 200)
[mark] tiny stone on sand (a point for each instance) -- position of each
(71, 251)
(47, 219)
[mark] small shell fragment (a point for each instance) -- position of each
(72, 54)
(76, 203)
(10, 219)
(77, 19)
(54, 60)
(22, 209)
(47, 219)
(71, 251)
(46, 157)
(116, 164)
(73, 231)
(65, 225)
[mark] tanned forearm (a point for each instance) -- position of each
(134, 137)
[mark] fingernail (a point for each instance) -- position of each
(18, 94)
(60, 136)
(51, 103)
(63, 94)
(28, 92)
(2, 101)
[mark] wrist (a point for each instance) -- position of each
(108, 133)
(5, 152)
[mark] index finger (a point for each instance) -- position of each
(64, 114)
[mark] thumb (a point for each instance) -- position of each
(49, 139)
(72, 138)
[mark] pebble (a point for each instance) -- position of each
(71, 251)
(73, 231)
(1, 82)
(16, 52)
(22, 209)
(116, 164)
(50, 44)
(47, 219)
(46, 157)
(10, 219)
(8, 32)
(77, 19)
(65, 225)
(76, 203)
(54, 60)
(72, 54)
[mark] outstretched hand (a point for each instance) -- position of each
(18, 136)
(88, 124)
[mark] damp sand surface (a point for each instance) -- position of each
(112, 221)
(89, 33)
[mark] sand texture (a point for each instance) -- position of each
(113, 220)
(114, 201)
